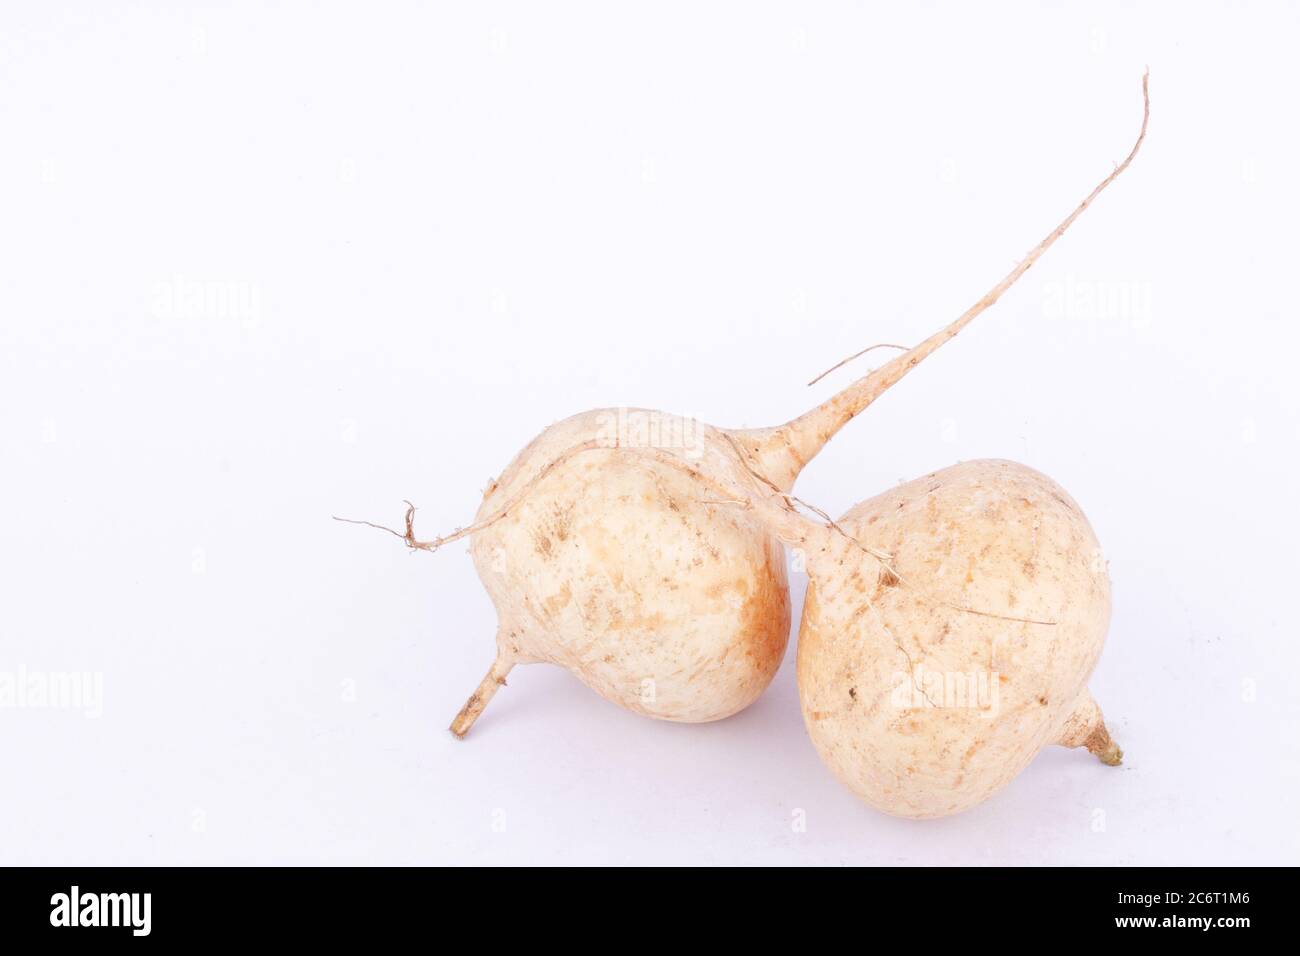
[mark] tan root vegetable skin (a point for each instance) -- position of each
(619, 568)
(924, 685)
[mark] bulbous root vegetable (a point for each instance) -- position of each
(622, 544)
(948, 633)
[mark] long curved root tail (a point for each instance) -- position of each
(784, 450)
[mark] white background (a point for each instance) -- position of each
(265, 263)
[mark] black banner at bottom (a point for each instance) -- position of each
(354, 906)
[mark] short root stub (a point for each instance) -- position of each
(1086, 727)
(495, 677)
(1101, 745)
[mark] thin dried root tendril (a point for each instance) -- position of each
(656, 454)
(857, 355)
(409, 535)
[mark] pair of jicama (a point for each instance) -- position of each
(950, 626)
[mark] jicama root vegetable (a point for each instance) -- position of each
(948, 634)
(613, 546)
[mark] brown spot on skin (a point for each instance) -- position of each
(590, 610)
(559, 601)
(543, 546)
(1042, 701)
(1030, 569)
(853, 693)
(885, 580)
(563, 521)
(1003, 679)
